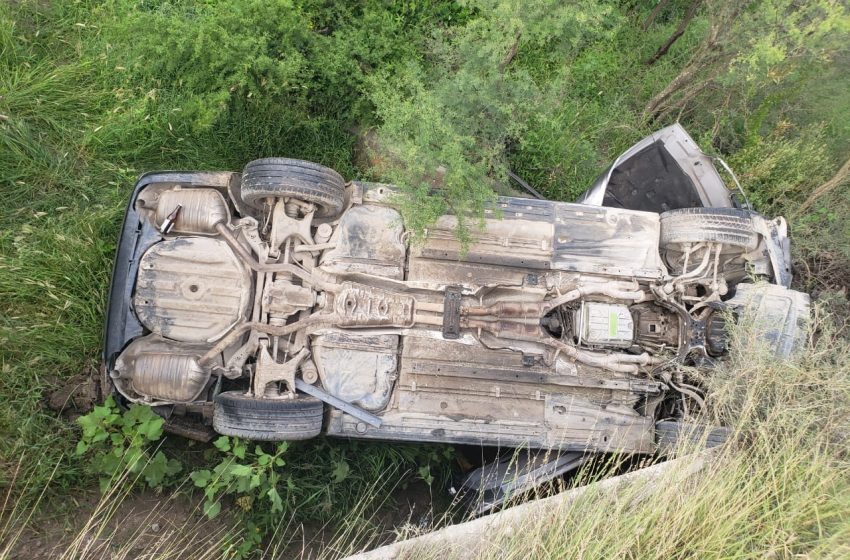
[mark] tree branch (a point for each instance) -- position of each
(840, 177)
(655, 11)
(708, 54)
(511, 53)
(680, 30)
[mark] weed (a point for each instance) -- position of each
(117, 442)
(251, 474)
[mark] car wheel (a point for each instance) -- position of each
(275, 419)
(686, 227)
(303, 180)
(732, 227)
(671, 435)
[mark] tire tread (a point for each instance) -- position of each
(236, 414)
(669, 434)
(730, 226)
(285, 177)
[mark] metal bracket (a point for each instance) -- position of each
(284, 227)
(451, 313)
(233, 367)
(775, 233)
(335, 402)
(269, 371)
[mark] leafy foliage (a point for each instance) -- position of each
(776, 166)
(320, 482)
(448, 121)
(117, 444)
(250, 473)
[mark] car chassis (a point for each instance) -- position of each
(282, 302)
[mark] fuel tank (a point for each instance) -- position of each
(192, 289)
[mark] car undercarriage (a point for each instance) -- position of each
(284, 302)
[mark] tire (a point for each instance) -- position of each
(304, 180)
(731, 226)
(281, 419)
(670, 435)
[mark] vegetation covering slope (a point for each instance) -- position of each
(455, 95)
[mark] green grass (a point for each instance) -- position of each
(76, 131)
(94, 93)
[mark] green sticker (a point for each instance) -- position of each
(613, 321)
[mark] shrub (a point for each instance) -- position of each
(119, 442)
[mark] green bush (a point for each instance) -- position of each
(448, 122)
(118, 444)
(251, 474)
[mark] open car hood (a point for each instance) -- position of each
(664, 171)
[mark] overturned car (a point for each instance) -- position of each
(283, 302)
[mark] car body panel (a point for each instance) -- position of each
(136, 236)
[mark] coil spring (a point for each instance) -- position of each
(290, 209)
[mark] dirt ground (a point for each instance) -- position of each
(141, 523)
(147, 525)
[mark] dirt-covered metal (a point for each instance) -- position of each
(554, 327)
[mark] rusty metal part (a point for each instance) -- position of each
(317, 248)
(154, 369)
(233, 368)
(283, 298)
(287, 225)
(451, 313)
(537, 309)
(507, 309)
(514, 329)
(323, 233)
(308, 277)
(191, 289)
(273, 330)
(508, 329)
(363, 306)
(635, 296)
(269, 371)
(620, 362)
(309, 372)
(199, 210)
(655, 326)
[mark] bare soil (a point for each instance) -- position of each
(147, 524)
